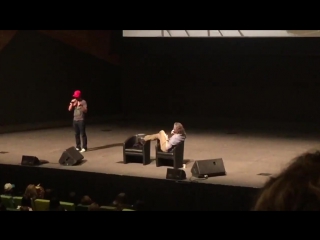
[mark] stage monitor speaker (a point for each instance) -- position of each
(70, 157)
(176, 174)
(208, 168)
(30, 161)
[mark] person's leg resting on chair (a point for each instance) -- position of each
(161, 136)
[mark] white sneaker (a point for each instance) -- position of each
(77, 149)
(82, 150)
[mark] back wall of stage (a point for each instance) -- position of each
(257, 78)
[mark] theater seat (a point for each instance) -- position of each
(17, 200)
(68, 206)
(41, 205)
(81, 207)
(8, 201)
(108, 208)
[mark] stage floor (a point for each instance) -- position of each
(245, 154)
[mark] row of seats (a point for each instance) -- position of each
(43, 205)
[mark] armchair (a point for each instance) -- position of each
(173, 158)
(133, 151)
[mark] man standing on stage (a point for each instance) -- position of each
(79, 106)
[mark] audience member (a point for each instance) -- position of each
(8, 189)
(94, 207)
(31, 192)
(49, 193)
(296, 188)
(86, 200)
(26, 203)
(55, 205)
(60, 208)
(73, 198)
(120, 201)
(40, 191)
(139, 206)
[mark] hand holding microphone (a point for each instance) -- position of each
(73, 102)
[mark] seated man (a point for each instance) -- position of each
(166, 144)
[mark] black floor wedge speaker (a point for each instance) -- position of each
(71, 157)
(30, 161)
(208, 168)
(176, 174)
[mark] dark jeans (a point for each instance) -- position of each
(80, 129)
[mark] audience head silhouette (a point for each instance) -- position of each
(54, 204)
(26, 202)
(86, 200)
(296, 188)
(31, 191)
(94, 207)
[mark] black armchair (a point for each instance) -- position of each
(173, 158)
(133, 151)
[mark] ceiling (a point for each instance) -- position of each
(221, 33)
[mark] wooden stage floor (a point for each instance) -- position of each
(245, 154)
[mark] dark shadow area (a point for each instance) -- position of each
(246, 80)
(165, 163)
(138, 160)
(105, 146)
(2, 152)
(45, 72)
(264, 174)
(79, 163)
(232, 132)
(133, 159)
(290, 136)
(233, 46)
(43, 162)
(187, 161)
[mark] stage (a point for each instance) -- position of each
(250, 157)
